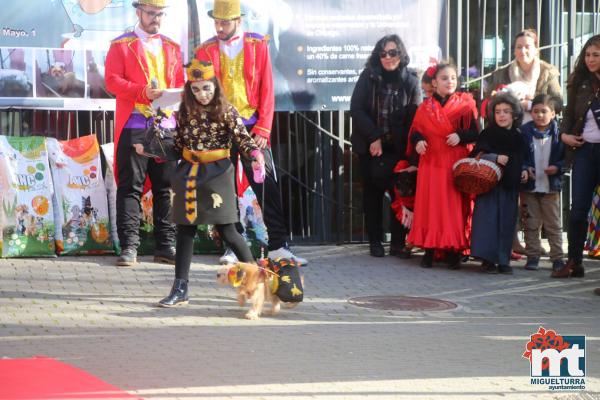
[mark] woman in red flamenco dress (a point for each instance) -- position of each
(441, 133)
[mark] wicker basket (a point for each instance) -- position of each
(475, 176)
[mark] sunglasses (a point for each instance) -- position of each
(153, 14)
(392, 53)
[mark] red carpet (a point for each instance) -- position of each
(49, 379)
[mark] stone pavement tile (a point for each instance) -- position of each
(395, 389)
(103, 319)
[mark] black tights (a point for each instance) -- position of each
(185, 246)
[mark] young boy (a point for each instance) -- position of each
(540, 195)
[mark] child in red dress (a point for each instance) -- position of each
(442, 129)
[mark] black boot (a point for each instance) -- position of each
(427, 260)
(178, 295)
(165, 255)
(453, 260)
(376, 249)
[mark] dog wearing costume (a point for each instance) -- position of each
(274, 281)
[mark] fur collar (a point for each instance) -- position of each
(516, 74)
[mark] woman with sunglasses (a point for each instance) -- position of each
(382, 106)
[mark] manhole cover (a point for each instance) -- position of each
(402, 303)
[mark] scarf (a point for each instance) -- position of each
(530, 129)
(516, 74)
(434, 119)
(541, 134)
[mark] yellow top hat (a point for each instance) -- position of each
(153, 3)
(199, 71)
(226, 10)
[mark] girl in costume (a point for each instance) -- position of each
(495, 213)
(204, 180)
(525, 77)
(442, 128)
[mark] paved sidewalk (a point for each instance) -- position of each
(88, 313)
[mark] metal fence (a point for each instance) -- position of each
(317, 171)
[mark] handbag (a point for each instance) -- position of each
(159, 142)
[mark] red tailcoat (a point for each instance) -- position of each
(126, 74)
(258, 75)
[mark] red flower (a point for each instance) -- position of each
(431, 71)
(545, 339)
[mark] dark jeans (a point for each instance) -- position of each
(373, 207)
(132, 169)
(584, 179)
(272, 208)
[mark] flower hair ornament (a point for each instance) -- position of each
(199, 70)
(430, 72)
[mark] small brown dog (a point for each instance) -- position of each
(65, 80)
(253, 284)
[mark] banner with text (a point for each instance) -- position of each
(52, 51)
(319, 47)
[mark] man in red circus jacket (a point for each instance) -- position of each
(243, 66)
(139, 66)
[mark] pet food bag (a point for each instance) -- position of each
(146, 225)
(207, 240)
(26, 190)
(108, 151)
(81, 204)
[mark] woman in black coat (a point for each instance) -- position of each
(383, 104)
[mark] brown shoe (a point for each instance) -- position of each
(597, 291)
(565, 272)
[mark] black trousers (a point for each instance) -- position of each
(185, 247)
(272, 208)
(132, 169)
(373, 207)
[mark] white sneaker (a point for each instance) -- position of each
(228, 257)
(285, 252)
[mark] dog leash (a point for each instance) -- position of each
(269, 270)
(262, 247)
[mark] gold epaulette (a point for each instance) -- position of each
(170, 41)
(251, 39)
(127, 38)
(208, 43)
